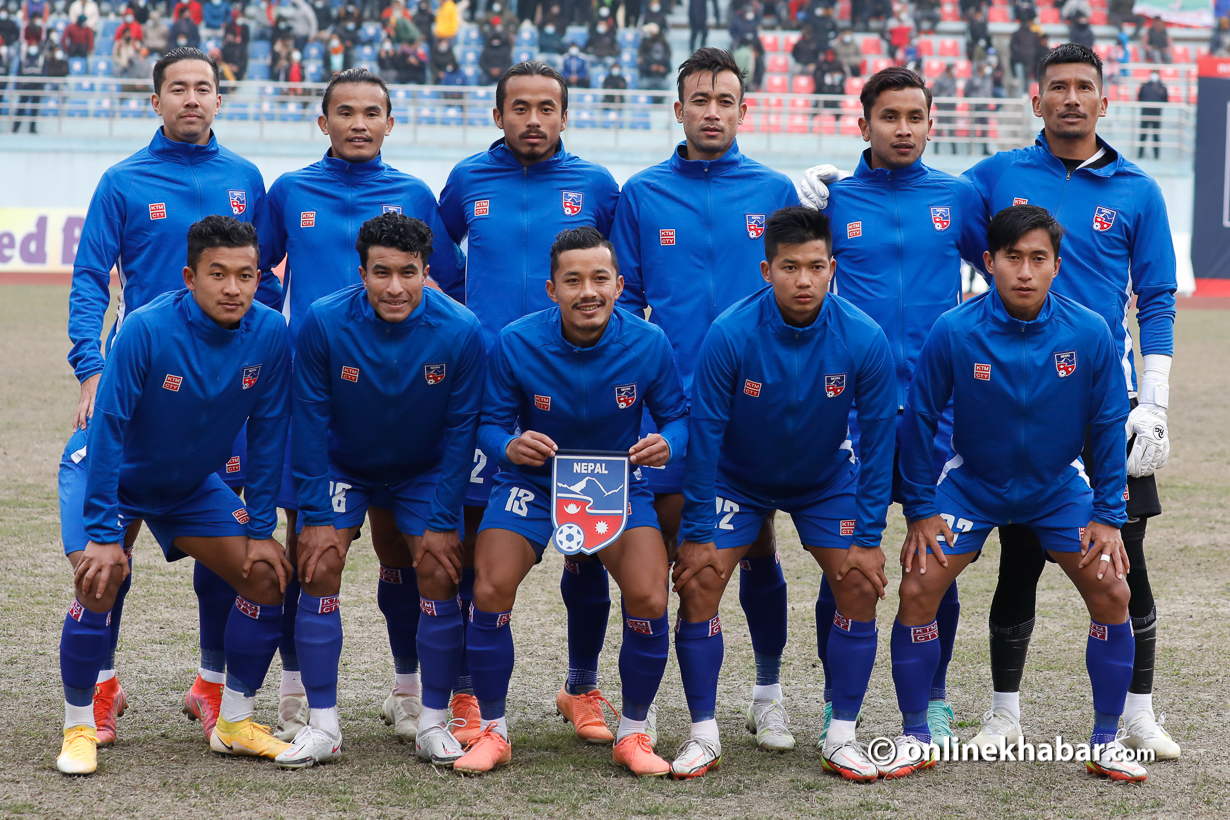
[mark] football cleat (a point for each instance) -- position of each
(910, 755)
(767, 721)
(245, 738)
(79, 754)
(697, 756)
(635, 753)
(310, 747)
(402, 713)
(109, 703)
(651, 724)
(293, 715)
(940, 720)
(584, 712)
(1144, 732)
(486, 751)
(850, 760)
(204, 703)
(1117, 762)
(466, 721)
(999, 729)
(828, 718)
(436, 745)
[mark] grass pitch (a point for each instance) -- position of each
(162, 767)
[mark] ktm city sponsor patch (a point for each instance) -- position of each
(752, 388)
(982, 372)
(172, 383)
(428, 607)
(1097, 631)
(745, 565)
(76, 610)
(241, 515)
(542, 402)
(715, 625)
(233, 465)
(247, 607)
(1020, 200)
(329, 603)
(158, 210)
(503, 619)
(571, 566)
(922, 634)
(854, 230)
(482, 207)
(840, 622)
(350, 374)
(640, 625)
(390, 575)
(847, 526)
(666, 236)
(307, 219)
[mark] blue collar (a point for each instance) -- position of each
(205, 328)
(999, 314)
(344, 170)
(883, 176)
(610, 333)
(185, 152)
(501, 154)
(698, 168)
(392, 328)
(1105, 171)
(773, 316)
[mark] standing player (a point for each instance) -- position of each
(901, 231)
(577, 376)
(509, 202)
(779, 374)
(136, 222)
(1028, 375)
(182, 377)
(387, 387)
(315, 214)
(1119, 246)
(688, 234)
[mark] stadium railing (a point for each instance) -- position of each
(451, 116)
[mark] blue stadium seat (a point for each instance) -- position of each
(427, 115)
(638, 120)
(597, 76)
(77, 66)
(587, 98)
(628, 59)
(210, 44)
(370, 32)
(452, 115)
(471, 36)
(370, 66)
(523, 55)
(611, 119)
(428, 94)
(315, 50)
(629, 38)
(583, 118)
(101, 108)
(132, 109)
(576, 34)
(291, 112)
(259, 50)
(257, 71)
(366, 52)
(77, 107)
(469, 56)
(556, 61)
(471, 74)
(103, 47)
(109, 27)
(58, 25)
(528, 37)
(484, 96)
(235, 111)
(83, 88)
(478, 116)
(100, 66)
(314, 72)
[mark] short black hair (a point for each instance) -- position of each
(531, 68)
(794, 226)
(893, 78)
(355, 75)
(218, 231)
(579, 239)
(1070, 53)
(713, 60)
(178, 55)
(1010, 224)
(394, 230)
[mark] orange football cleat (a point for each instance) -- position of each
(109, 703)
(204, 703)
(584, 712)
(486, 751)
(467, 723)
(635, 752)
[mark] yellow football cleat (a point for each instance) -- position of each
(79, 754)
(247, 738)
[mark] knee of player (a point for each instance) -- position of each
(490, 596)
(646, 603)
(1111, 598)
(434, 581)
(326, 577)
(262, 585)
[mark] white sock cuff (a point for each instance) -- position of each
(1010, 701)
(768, 694)
(212, 675)
(236, 706)
(705, 728)
(78, 715)
(105, 675)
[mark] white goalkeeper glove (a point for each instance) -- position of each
(1147, 421)
(813, 188)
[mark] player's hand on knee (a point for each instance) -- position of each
(530, 449)
(870, 562)
(691, 558)
(1098, 540)
(651, 451)
(924, 533)
(85, 405)
(1151, 447)
(100, 565)
(269, 551)
(445, 547)
(313, 543)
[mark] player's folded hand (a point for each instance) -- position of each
(272, 553)
(691, 558)
(651, 451)
(445, 547)
(313, 543)
(1099, 539)
(85, 405)
(1151, 447)
(531, 449)
(870, 562)
(924, 533)
(98, 565)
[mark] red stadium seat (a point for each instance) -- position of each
(789, 39)
(854, 85)
(933, 68)
(772, 103)
(877, 64)
(800, 104)
(950, 14)
(1048, 16)
(962, 70)
(776, 84)
(1098, 17)
(825, 124)
(962, 108)
(851, 104)
(771, 123)
(803, 84)
(770, 42)
(1170, 75)
(777, 64)
(843, 10)
(926, 47)
(1191, 94)
(873, 45)
(849, 126)
(1180, 54)
(749, 124)
(752, 102)
(1103, 50)
(798, 124)
(950, 47)
(998, 14)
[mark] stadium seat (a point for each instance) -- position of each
(100, 66)
(471, 74)
(1048, 16)
(1180, 54)
(950, 47)
(469, 56)
(370, 65)
(1099, 17)
(873, 64)
(478, 116)
(629, 38)
(131, 109)
(825, 124)
(849, 126)
(101, 109)
(427, 115)
(789, 39)
(628, 59)
(798, 124)
(998, 14)
(771, 42)
(583, 118)
(107, 32)
(576, 34)
(749, 123)
(803, 84)
(771, 123)
(963, 70)
(854, 85)
(77, 66)
(211, 44)
(314, 50)
(926, 47)
(872, 45)
(523, 55)
(102, 47)
(257, 71)
(776, 83)
(471, 36)
(772, 103)
(843, 10)
(369, 33)
(851, 104)
(950, 14)
(259, 50)
(933, 68)
(452, 115)
(366, 52)
(527, 37)
(1103, 50)
(77, 107)
(777, 64)
(290, 112)
(314, 72)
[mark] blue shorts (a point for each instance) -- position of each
(521, 506)
(481, 476)
(410, 501)
(211, 511)
(824, 516)
(668, 479)
(1058, 529)
(940, 454)
(71, 480)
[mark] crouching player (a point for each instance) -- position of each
(776, 379)
(387, 386)
(576, 376)
(183, 375)
(1028, 373)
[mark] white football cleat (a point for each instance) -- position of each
(1115, 761)
(1142, 732)
(402, 713)
(697, 756)
(850, 760)
(651, 724)
(310, 747)
(293, 715)
(910, 755)
(438, 746)
(768, 722)
(999, 730)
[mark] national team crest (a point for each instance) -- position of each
(239, 201)
(834, 385)
(250, 375)
(1103, 218)
(625, 395)
(572, 203)
(433, 373)
(755, 226)
(589, 500)
(941, 218)
(1065, 363)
